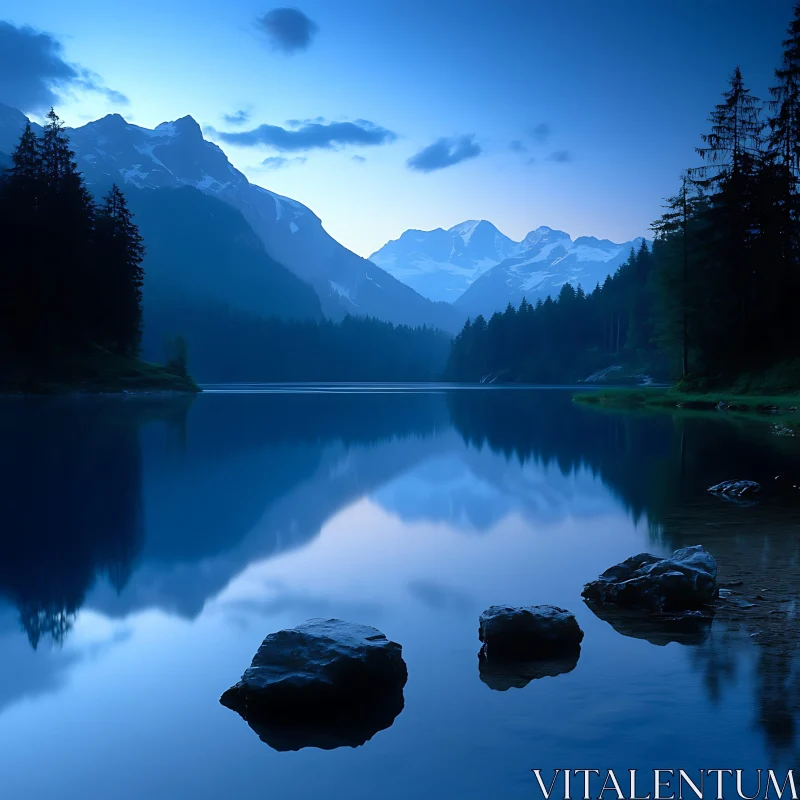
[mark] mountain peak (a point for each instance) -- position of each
(187, 125)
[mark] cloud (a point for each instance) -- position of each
(310, 135)
(359, 159)
(279, 162)
(445, 152)
(237, 117)
(34, 74)
(540, 133)
(288, 29)
(560, 156)
(518, 146)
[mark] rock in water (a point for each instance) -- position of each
(525, 643)
(686, 580)
(735, 488)
(325, 683)
(527, 631)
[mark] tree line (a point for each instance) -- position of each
(71, 274)
(227, 345)
(565, 338)
(714, 298)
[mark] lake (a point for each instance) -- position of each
(149, 545)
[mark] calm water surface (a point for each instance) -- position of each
(148, 546)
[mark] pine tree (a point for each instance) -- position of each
(22, 238)
(119, 252)
(68, 215)
(780, 204)
(733, 154)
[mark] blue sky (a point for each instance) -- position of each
(577, 114)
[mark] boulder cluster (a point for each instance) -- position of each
(329, 683)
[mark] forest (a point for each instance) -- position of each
(229, 346)
(72, 275)
(712, 302)
(71, 302)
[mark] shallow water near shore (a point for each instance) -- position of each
(148, 548)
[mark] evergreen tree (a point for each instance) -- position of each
(68, 214)
(119, 255)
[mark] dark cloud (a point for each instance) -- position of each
(560, 156)
(237, 118)
(34, 74)
(288, 29)
(518, 146)
(359, 159)
(445, 152)
(540, 133)
(279, 162)
(310, 135)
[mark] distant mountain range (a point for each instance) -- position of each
(174, 155)
(480, 270)
(215, 239)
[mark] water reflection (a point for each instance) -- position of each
(114, 510)
(504, 674)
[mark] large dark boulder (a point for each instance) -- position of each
(325, 683)
(686, 580)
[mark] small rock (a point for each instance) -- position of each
(685, 580)
(527, 632)
(735, 488)
(325, 683)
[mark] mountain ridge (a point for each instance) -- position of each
(466, 263)
(176, 154)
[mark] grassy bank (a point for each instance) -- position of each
(643, 397)
(96, 372)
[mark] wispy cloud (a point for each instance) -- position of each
(359, 159)
(540, 133)
(237, 117)
(279, 162)
(309, 135)
(560, 156)
(34, 74)
(287, 29)
(445, 152)
(518, 146)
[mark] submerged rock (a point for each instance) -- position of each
(684, 581)
(325, 683)
(735, 488)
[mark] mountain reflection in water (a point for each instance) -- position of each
(116, 507)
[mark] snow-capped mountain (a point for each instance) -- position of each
(548, 259)
(175, 154)
(441, 264)
(479, 269)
